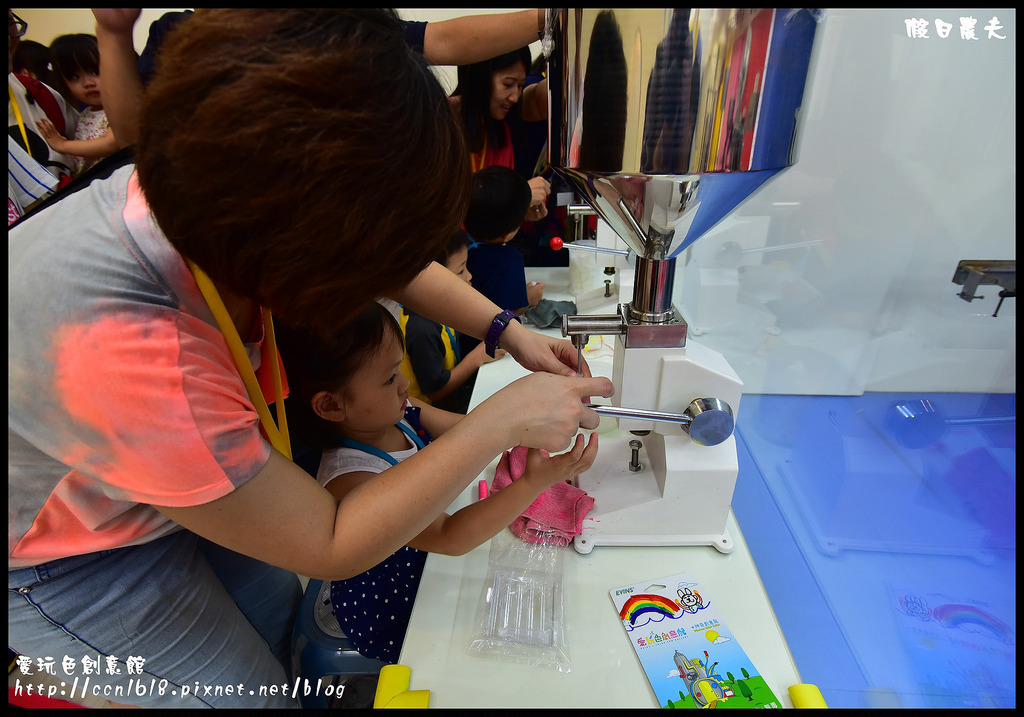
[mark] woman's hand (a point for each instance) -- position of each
(539, 352)
(116, 20)
(542, 410)
(540, 189)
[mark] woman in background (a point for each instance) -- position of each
(486, 94)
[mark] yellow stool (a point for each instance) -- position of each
(806, 696)
(393, 690)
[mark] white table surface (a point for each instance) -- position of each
(604, 669)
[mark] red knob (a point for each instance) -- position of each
(556, 243)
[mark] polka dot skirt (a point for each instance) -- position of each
(373, 608)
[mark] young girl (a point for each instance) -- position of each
(76, 62)
(438, 373)
(351, 401)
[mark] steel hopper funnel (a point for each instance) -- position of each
(665, 120)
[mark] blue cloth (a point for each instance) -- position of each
(374, 607)
(414, 33)
(193, 611)
(499, 274)
(412, 416)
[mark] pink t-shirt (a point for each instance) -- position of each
(123, 394)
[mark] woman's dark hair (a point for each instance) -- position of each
(315, 364)
(500, 199)
(304, 158)
(474, 87)
(72, 55)
(33, 58)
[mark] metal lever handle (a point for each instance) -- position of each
(557, 244)
(580, 210)
(708, 421)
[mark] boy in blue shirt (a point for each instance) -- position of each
(497, 208)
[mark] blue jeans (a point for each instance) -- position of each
(190, 623)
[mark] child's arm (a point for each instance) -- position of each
(480, 521)
(98, 147)
(463, 370)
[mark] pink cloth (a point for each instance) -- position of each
(556, 516)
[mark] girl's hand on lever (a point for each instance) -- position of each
(544, 470)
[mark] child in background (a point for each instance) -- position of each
(351, 402)
(32, 59)
(498, 205)
(437, 372)
(497, 208)
(29, 182)
(76, 63)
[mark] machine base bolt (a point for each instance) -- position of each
(635, 465)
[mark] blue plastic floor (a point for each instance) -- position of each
(883, 528)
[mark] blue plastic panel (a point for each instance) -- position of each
(883, 527)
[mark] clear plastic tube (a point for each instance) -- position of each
(520, 617)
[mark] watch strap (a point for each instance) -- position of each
(497, 327)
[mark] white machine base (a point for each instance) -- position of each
(585, 541)
(634, 508)
(683, 492)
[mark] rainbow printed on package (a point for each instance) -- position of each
(690, 656)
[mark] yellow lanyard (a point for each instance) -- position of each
(278, 435)
(483, 156)
(17, 116)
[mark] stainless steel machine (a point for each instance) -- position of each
(663, 121)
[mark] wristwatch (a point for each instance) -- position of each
(497, 326)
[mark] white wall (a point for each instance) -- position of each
(45, 24)
(906, 165)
